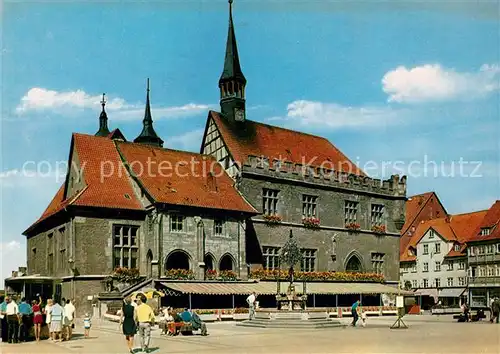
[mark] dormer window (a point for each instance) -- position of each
(485, 231)
(457, 247)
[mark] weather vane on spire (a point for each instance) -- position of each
(103, 102)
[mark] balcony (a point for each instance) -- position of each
(484, 281)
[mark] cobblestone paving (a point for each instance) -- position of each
(426, 334)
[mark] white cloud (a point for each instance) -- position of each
(39, 99)
(43, 100)
(188, 141)
(433, 83)
(12, 255)
(10, 246)
(336, 116)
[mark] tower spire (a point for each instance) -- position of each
(103, 119)
(148, 135)
(232, 81)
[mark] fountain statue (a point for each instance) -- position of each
(290, 255)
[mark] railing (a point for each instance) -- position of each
(493, 280)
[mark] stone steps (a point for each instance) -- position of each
(297, 324)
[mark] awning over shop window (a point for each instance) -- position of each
(270, 288)
(427, 292)
(451, 292)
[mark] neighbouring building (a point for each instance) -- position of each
(434, 263)
(420, 207)
(230, 207)
(483, 257)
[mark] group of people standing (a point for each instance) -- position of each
(17, 320)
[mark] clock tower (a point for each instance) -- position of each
(232, 81)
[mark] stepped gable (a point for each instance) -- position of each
(183, 178)
(259, 139)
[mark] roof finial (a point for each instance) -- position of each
(103, 101)
(148, 85)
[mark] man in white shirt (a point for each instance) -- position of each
(251, 305)
(69, 313)
(12, 313)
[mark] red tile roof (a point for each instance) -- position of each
(108, 184)
(191, 186)
(273, 142)
(459, 253)
(414, 205)
(456, 228)
(492, 221)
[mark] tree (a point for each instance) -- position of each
(290, 255)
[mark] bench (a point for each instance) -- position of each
(185, 328)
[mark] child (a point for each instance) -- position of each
(363, 318)
(87, 323)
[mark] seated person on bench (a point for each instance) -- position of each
(186, 315)
(175, 325)
(198, 324)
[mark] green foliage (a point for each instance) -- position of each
(290, 253)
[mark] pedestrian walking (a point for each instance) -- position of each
(87, 324)
(495, 309)
(146, 318)
(127, 321)
(354, 312)
(251, 305)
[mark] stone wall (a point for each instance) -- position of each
(330, 210)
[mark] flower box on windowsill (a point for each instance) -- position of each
(311, 222)
(211, 274)
(378, 229)
(352, 226)
(272, 219)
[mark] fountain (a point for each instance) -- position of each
(291, 309)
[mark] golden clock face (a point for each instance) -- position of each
(239, 115)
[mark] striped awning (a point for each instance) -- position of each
(270, 288)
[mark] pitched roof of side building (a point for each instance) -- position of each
(272, 142)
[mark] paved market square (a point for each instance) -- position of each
(426, 334)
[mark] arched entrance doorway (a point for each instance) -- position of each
(209, 262)
(226, 262)
(177, 260)
(353, 264)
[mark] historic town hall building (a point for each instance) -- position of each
(229, 207)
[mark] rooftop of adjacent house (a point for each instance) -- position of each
(272, 142)
(490, 223)
(414, 206)
(454, 228)
(167, 176)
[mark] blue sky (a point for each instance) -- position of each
(384, 82)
